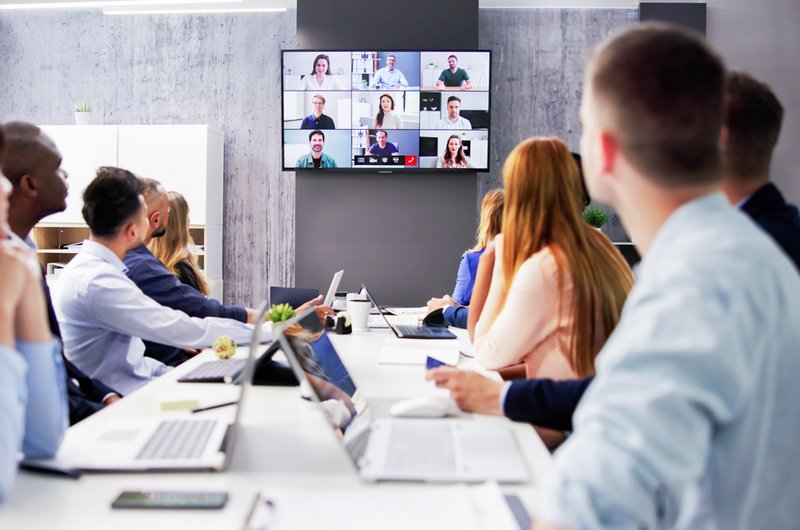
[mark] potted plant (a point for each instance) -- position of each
(595, 216)
(83, 113)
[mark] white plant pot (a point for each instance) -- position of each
(83, 118)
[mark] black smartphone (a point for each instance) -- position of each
(171, 500)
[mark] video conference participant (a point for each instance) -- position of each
(316, 158)
(104, 316)
(454, 157)
(453, 76)
(386, 118)
(690, 399)
(454, 119)
(318, 120)
(382, 147)
(389, 76)
(32, 163)
(320, 77)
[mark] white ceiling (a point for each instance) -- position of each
(249, 5)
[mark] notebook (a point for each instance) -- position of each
(410, 332)
(435, 450)
(203, 442)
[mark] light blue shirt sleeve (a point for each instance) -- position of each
(644, 427)
(462, 281)
(33, 405)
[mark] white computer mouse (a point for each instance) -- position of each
(423, 407)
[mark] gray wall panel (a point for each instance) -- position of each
(218, 69)
(539, 57)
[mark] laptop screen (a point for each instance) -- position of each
(314, 358)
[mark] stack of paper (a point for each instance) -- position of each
(385, 507)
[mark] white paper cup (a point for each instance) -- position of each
(359, 313)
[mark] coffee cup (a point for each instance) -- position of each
(359, 313)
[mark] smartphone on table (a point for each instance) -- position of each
(171, 500)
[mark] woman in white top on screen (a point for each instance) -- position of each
(320, 77)
(558, 284)
(453, 157)
(386, 118)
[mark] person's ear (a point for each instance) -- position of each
(609, 151)
(154, 219)
(27, 185)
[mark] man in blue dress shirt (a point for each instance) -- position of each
(389, 76)
(33, 399)
(103, 315)
(382, 147)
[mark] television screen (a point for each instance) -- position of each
(386, 110)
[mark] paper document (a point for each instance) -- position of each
(416, 351)
(388, 508)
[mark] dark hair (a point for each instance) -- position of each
(453, 56)
(453, 98)
(22, 149)
(379, 118)
(316, 59)
(391, 56)
(320, 97)
(381, 131)
(661, 91)
(753, 116)
(312, 133)
(460, 160)
(111, 200)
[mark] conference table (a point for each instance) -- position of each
(284, 442)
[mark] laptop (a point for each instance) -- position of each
(430, 450)
(410, 332)
(329, 296)
(201, 442)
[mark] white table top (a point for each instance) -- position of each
(283, 441)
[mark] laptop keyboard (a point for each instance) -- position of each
(177, 440)
(425, 445)
(215, 370)
(411, 330)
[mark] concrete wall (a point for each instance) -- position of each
(223, 70)
(537, 73)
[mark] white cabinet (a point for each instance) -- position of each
(184, 158)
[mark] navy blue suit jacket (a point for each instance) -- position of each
(551, 403)
(157, 282)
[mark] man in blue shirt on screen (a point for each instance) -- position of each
(382, 147)
(389, 76)
(316, 158)
(318, 120)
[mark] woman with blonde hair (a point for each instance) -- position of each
(490, 225)
(172, 249)
(558, 284)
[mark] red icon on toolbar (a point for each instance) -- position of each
(411, 160)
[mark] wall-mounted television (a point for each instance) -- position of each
(386, 110)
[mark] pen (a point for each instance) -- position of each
(257, 517)
(217, 406)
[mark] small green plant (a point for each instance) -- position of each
(281, 312)
(595, 216)
(83, 106)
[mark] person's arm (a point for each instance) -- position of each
(463, 282)
(467, 81)
(456, 316)
(440, 81)
(46, 412)
(530, 313)
(94, 389)
(153, 278)
(651, 412)
(121, 306)
(544, 402)
(480, 291)
(13, 396)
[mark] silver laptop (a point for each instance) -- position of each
(410, 332)
(337, 278)
(201, 442)
(433, 450)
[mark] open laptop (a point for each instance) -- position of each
(410, 332)
(396, 449)
(337, 278)
(202, 442)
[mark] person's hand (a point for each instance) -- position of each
(322, 312)
(314, 301)
(471, 391)
(438, 303)
(113, 398)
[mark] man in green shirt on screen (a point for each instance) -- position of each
(454, 76)
(316, 158)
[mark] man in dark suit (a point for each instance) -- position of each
(32, 163)
(753, 121)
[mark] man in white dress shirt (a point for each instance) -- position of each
(454, 119)
(103, 315)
